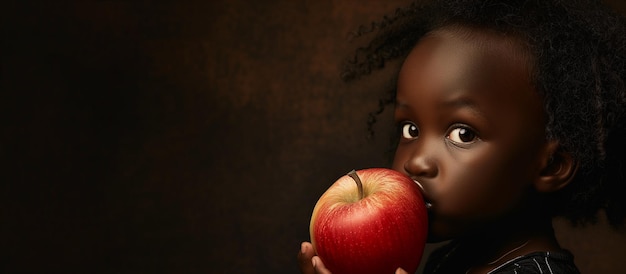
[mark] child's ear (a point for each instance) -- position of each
(557, 170)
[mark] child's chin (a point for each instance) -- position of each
(439, 233)
(434, 239)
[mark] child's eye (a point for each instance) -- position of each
(462, 135)
(409, 130)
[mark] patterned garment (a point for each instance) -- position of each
(448, 260)
(539, 262)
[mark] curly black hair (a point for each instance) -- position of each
(579, 49)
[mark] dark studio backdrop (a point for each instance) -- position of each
(189, 136)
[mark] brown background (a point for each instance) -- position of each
(156, 137)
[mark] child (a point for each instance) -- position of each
(509, 113)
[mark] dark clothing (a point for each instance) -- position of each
(449, 260)
(540, 262)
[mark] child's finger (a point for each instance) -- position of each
(401, 271)
(304, 258)
(319, 266)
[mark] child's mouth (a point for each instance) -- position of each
(428, 203)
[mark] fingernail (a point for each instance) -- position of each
(314, 261)
(303, 248)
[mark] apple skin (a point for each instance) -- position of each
(384, 230)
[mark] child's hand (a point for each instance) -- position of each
(401, 271)
(309, 263)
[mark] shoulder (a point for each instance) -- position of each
(540, 262)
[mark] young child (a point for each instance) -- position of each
(509, 113)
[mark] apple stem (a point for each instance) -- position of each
(357, 180)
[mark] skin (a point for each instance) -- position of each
(472, 130)
(471, 127)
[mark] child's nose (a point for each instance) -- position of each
(421, 164)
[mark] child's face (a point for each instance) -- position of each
(472, 128)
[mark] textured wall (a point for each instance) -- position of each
(195, 137)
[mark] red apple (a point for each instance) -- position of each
(370, 221)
